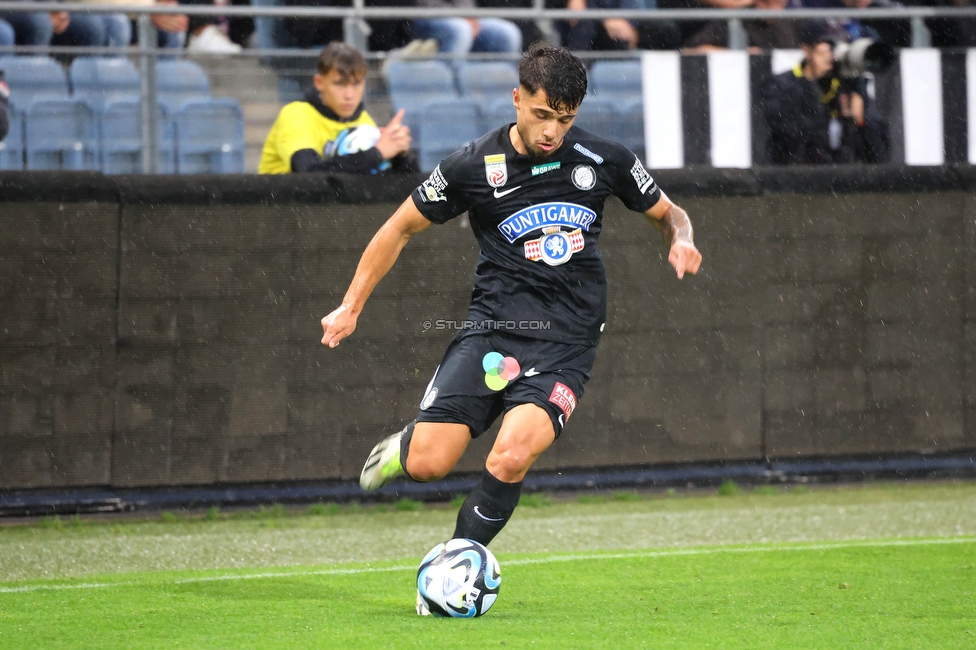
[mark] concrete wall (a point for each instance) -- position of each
(163, 343)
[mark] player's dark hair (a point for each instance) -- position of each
(344, 59)
(557, 72)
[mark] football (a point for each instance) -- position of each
(458, 578)
(352, 140)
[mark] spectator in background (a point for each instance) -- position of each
(617, 33)
(314, 135)
(950, 32)
(209, 33)
(760, 34)
(896, 33)
(689, 28)
(25, 28)
(531, 32)
(73, 28)
(307, 33)
(815, 117)
(459, 36)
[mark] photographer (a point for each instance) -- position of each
(819, 112)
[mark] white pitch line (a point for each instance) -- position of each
(708, 550)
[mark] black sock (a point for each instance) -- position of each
(487, 509)
(405, 445)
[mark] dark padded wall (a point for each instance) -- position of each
(155, 344)
(58, 286)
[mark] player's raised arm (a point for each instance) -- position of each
(378, 258)
(675, 227)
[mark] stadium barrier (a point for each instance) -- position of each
(164, 331)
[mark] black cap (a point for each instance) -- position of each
(813, 32)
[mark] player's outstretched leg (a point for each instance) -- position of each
(526, 432)
(386, 461)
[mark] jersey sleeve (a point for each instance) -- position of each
(293, 132)
(634, 185)
(441, 197)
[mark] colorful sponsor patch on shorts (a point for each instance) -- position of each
(563, 397)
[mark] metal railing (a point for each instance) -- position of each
(355, 15)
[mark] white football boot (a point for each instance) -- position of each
(383, 463)
(421, 606)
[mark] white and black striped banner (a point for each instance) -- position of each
(705, 110)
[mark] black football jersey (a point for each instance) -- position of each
(540, 271)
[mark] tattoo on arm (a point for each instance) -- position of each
(675, 226)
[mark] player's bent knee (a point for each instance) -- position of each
(510, 464)
(427, 469)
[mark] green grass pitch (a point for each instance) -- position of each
(911, 590)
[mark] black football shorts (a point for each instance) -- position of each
(485, 373)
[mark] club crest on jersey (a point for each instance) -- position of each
(555, 247)
(496, 170)
(545, 215)
(584, 177)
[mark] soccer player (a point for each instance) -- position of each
(307, 135)
(534, 192)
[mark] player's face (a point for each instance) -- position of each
(540, 128)
(342, 94)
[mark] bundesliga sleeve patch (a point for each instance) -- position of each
(641, 177)
(564, 398)
(432, 189)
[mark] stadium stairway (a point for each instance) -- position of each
(255, 86)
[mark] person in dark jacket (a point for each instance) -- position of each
(815, 116)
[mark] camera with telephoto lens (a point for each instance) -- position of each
(862, 55)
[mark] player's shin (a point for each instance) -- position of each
(487, 509)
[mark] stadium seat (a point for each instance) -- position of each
(210, 137)
(617, 81)
(179, 81)
(414, 84)
(99, 80)
(61, 134)
(34, 77)
(630, 129)
(497, 113)
(121, 141)
(12, 146)
(444, 128)
(599, 117)
(620, 82)
(487, 81)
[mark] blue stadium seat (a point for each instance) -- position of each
(61, 134)
(210, 137)
(12, 146)
(291, 89)
(630, 129)
(487, 81)
(620, 82)
(445, 127)
(414, 84)
(121, 142)
(497, 113)
(33, 77)
(599, 117)
(179, 81)
(99, 80)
